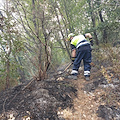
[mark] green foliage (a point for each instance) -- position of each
(107, 53)
(40, 25)
(60, 56)
(10, 46)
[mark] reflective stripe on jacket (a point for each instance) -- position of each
(79, 40)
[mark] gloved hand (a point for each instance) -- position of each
(91, 41)
(73, 59)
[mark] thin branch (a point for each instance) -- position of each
(29, 25)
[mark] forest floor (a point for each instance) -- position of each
(58, 98)
(97, 99)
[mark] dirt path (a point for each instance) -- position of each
(85, 104)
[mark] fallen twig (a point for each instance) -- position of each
(21, 90)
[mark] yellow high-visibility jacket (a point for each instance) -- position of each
(79, 41)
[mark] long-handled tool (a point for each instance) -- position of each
(65, 69)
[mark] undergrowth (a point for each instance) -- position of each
(109, 65)
(107, 56)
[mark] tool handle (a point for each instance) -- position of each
(67, 67)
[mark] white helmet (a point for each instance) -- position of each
(70, 35)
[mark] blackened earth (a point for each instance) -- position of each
(40, 100)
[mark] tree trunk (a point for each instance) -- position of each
(8, 74)
(104, 30)
(93, 22)
(21, 72)
(9, 51)
(62, 32)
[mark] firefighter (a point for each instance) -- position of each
(81, 50)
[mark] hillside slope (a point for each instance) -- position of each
(98, 99)
(58, 98)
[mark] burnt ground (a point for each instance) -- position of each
(62, 99)
(39, 100)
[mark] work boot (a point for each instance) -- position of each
(87, 78)
(72, 77)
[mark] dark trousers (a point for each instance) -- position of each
(84, 55)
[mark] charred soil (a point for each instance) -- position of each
(63, 99)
